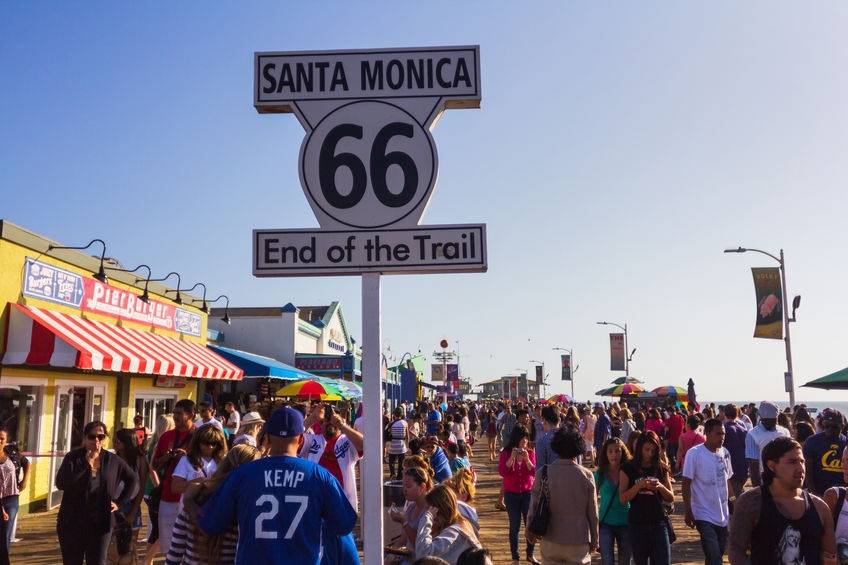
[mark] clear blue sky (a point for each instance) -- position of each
(620, 147)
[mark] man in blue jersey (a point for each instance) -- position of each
(281, 502)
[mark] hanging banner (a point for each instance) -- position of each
(539, 376)
(769, 303)
(453, 373)
(437, 372)
(617, 352)
(566, 367)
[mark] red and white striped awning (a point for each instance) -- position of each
(46, 337)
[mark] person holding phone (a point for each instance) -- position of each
(95, 483)
(645, 482)
(337, 448)
(517, 466)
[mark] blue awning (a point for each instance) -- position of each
(257, 366)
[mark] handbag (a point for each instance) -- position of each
(542, 517)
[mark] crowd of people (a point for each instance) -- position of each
(758, 484)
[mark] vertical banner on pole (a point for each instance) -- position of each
(437, 372)
(769, 294)
(566, 367)
(539, 376)
(617, 352)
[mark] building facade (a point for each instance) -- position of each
(77, 346)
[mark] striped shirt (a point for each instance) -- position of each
(398, 443)
(183, 544)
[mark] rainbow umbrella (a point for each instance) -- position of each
(671, 391)
(627, 389)
(563, 398)
(313, 390)
(347, 389)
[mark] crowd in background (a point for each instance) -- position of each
(759, 484)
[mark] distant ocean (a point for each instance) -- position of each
(840, 405)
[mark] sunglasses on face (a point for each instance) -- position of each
(98, 437)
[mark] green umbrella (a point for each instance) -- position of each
(837, 380)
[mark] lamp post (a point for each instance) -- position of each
(226, 318)
(573, 369)
(145, 297)
(796, 302)
(178, 299)
(627, 357)
(542, 363)
(101, 273)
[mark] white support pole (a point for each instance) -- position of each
(371, 517)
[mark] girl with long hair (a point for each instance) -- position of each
(572, 417)
(645, 482)
(190, 544)
(517, 466)
(207, 448)
(127, 447)
(152, 492)
(417, 482)
(443, 532)
(612, 513)
(462, 485)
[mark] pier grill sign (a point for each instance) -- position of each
(368, 163)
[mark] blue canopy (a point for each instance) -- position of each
(257, 366)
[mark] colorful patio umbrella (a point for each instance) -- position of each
(648, 394)
(627, 389)
(313, 390)
(626, 380)
(671, 391)
(347, 389)
(563, 398)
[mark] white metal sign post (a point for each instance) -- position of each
(368, 166)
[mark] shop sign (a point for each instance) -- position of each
(318, 363)
(46, 282)
(168, 381)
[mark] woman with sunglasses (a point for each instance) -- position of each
(206, 449)
(95, 483)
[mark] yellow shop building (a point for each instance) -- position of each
(81, 340)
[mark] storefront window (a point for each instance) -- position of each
(20, 412)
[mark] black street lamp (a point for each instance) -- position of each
(145, 297)
(101, 273)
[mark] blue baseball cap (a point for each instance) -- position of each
(284, 422)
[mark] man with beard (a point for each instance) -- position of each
(337, 448)
(823, 453)
(780, 522)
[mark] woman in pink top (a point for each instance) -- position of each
(688, 439)
(517, 466)
(655, 424)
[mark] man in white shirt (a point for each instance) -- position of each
(207, 416)
(337, 448)
(758, 436)
(706, 471)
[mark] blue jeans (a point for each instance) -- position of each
(609, 535)
(713, 541)
(517, 505)
(649, 542)
(10, 505)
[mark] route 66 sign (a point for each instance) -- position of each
(368, 163)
